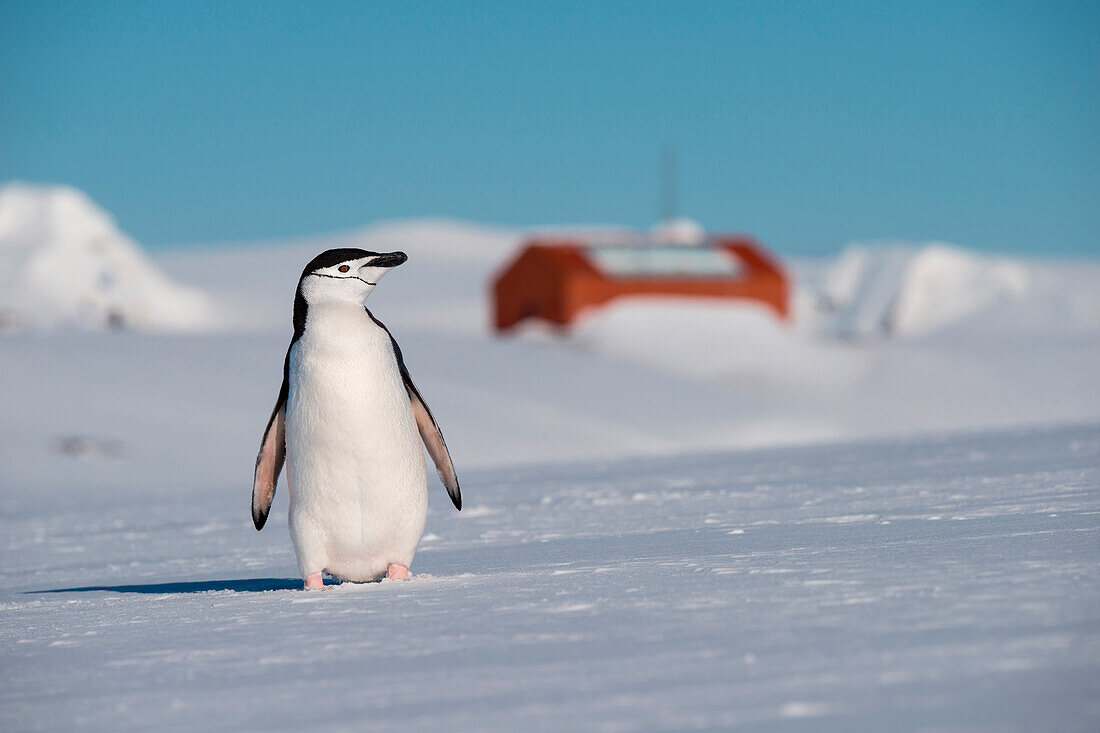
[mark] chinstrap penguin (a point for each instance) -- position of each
(346, 423)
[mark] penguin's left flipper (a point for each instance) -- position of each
(425, 423)
(433, 441)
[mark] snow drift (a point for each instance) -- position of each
(64, 262)
(902, 289)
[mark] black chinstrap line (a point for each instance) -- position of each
(335, 277)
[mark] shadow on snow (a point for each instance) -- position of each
(243, 585)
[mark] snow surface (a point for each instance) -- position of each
(680, 516)
(945, 584)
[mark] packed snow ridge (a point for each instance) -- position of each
(64, 262)
(904, 289)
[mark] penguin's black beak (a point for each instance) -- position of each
(390, 259)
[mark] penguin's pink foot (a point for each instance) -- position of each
(396, 571)
(314, 581)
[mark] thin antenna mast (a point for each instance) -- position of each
(668, 183)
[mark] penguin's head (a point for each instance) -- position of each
(345, 274)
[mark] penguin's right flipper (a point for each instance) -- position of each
(268, 464)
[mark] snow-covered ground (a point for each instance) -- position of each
(882, 515)
(938, 584)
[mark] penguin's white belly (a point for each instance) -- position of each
(355, 467)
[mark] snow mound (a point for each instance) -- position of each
(913, 290)
(435, 239)
(64, 262)
(738, 343)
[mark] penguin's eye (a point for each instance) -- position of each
(344, 268)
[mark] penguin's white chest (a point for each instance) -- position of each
(355, 468)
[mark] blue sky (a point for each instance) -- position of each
(807, 124)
